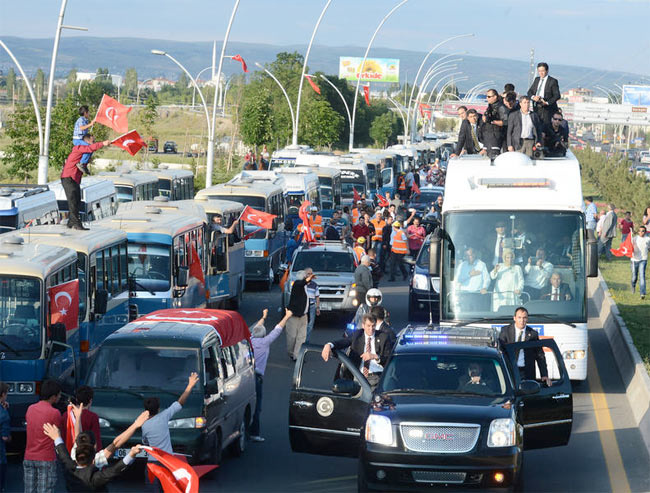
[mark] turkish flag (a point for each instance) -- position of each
(356, 196)
(243, 63)
(366, 94)
(312, 84)
(196, 271)
(131, 142)
(113, 114)
(383, 201)
(69, 429)
(415, 188)
(626, 249)
(174, 473)
(304, 215)
(64, 304)
(258, 218)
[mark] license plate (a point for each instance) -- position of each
(120, 453)
(325, 307)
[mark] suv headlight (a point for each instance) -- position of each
(198, 422)
(379, 429)
(575, 354)
(420, 281)
(502, 433)
(104, 423)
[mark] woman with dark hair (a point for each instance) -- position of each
(646, 217)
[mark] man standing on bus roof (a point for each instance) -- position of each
(71, 177)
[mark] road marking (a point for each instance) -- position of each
(331, 480)
(613, 460)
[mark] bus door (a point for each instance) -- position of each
(277, 236)
(217, 281)
(189, 271)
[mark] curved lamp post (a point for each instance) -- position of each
(363, 63)
(401, 113)
(137, 94)
(444, 87)
(293, 118)
(345, 103)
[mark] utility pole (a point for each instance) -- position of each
(531, 68)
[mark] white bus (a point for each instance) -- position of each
(98, 198)
(300, 185)
(516, 213)
(26, 205)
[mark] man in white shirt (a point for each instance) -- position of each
(472, 282)
(538, 272)
(641, 244)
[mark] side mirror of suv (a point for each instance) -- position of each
(346, 387)
(528, 387)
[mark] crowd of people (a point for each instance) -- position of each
(530, 123)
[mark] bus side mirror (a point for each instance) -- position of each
(182, 276)
(592, 257)
(212, 387)
(435, 253)
(274, 226)
(101, 302)
(57, 332)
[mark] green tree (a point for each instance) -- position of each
(21, 154)
(130, 84)
(256, 120)
(11, 83)
(148, 116)
(320, 125)
(39, 83)
(381, 129)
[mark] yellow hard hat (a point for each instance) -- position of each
(396, 224)
(361, 240)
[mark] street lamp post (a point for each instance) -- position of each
(474, 90)
(194, 89)
(140, 86)
(435, 86)
(363, 63)
(413, 115)
(43, 158)
(444, 88)
(210, 155)
(31, 95)
(293, 118)
(205, 106)
(294, 137)
(401, 113)
(345, 103)
(225, 94)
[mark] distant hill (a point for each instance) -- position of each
(87, 53)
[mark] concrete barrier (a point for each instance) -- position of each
(630, 365)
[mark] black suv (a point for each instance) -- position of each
(170, 147)
(450, 409)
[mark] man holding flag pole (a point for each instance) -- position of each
(637, 249)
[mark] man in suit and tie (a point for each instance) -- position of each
(556, 290)
(524, 129)
(545, 92)
(497, 242)
(369, 350)
(468, 140)
(518, 331)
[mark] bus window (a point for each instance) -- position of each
(81, 275)
(139, 192)
(123, 267)
(220, 253)
(100, 271)
(165, 189)
(115, 256)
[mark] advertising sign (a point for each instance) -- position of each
(636, 95)
(617, 114)
(374, 70)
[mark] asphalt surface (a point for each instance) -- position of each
(602, 455)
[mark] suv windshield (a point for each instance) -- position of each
(321, 261)
(446, 373)
(150, 266)
(20, 317)
(143, 367)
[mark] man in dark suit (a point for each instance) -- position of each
(468, 136)
(544, 92)
(518, 331)
(556, 290)
(524, 129)
(369, 350)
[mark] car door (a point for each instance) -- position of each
(547, 415)
(326, 413)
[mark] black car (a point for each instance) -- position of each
(170, 147)
(424, 289)
(449, 409)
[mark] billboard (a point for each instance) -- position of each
(636, 95)
(374, 70)
(616, 114)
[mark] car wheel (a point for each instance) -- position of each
(216, 455)
(239, 445)
(269, 284)
(362, 484)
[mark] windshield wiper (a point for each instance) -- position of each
(481, 320)
(122, 389)
(549, 317)
(412, 391)
(152, 293)
(157, 389)
(10, 348)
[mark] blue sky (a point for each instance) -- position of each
(609, 34)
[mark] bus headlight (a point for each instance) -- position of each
(502, 433)
(435, 284)
(25, 387)
(379, 429)
(255, 253)
(198, 422)
(575, 354)
(420, 281)
(104, 423)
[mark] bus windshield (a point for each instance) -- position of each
(143, 368)
(258, 203)
(326, 197)
(165, 187)
(124, 193)
(494, 261)
(347, 189)
(294, 202)
(325, 181)
(149, 266)
(254, 232)
(20, 317)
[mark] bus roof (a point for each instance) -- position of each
(513, 181)
(81, 241)
(324, 171)
(130, 178)
(253, 189)
(257, 176)
(30, 259)
(25, 196)
(291, 151)
(221, 207)
(312, 159)
(298, 179)
(151, 220)
(166, 206)
(92, 188)
(168, 173)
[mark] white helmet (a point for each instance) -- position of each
(373, 293)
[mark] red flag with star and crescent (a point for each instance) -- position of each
(64, 304)
(366, 94)
(113, 114)
(626, 249)
(174, 473)
(383, 201)
(415, 189)
(304, 215)
(238, 58)
(258, 218)
(196, 270)
(312, 84)
(131, 142)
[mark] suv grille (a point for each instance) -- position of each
(332, 294)
(440, 438)
(439, 477)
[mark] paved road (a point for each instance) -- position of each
(605, 452)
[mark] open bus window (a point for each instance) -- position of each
(150, 266)
(20, 317)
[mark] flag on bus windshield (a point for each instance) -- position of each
(238, 58)
(626, 249)
(306, 223)
(64, 304)
(113, 114)
(312, 84)
(258, 218)
(131, 142)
